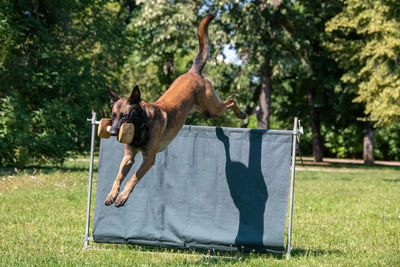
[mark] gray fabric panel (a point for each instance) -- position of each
(218, 188)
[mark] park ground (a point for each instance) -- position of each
(345, 214)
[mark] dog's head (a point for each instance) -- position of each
(125, 109)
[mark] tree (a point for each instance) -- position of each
(164, 32)
(316, 76)
(366, 46)
(166, 46)
(288, 58)
(259, 31)
(56, 60)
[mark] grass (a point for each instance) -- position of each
(343, 215)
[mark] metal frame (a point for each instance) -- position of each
(297, 129)
(89, 199)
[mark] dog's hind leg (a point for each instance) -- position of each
(209, 103)
(126, 164)
(231, 104)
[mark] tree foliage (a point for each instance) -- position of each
(261, 33)
(305, 58)
(57, 58)
(367, 46)
(167, 44)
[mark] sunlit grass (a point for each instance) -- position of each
(350, 216)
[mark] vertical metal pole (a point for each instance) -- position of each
(294, 144)
(93, 122)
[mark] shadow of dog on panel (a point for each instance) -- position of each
(248, 190)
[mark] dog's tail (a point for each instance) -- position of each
(202, 55)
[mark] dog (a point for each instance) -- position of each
(156, 124)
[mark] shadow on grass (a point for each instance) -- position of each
(204, 256)
(299, 252)
(79, 164)
(36, 169)
(391, 180)
(345, 179)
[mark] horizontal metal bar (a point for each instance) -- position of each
(96, 122)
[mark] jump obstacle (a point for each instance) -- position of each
(211, 188)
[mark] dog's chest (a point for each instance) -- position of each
(167, 139)
(163, 145)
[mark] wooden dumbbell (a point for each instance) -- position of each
(126, 133)
(104, 128)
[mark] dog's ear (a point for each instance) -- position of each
(135, 96)
(113, 96)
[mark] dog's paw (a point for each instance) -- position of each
(110, 199)
(121, 199)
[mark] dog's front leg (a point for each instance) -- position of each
(126, 164)
(149, 157)
(148, 162)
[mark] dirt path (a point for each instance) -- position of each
(329, 161)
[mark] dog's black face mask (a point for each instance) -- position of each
(125, 110)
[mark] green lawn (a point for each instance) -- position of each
(343, 215)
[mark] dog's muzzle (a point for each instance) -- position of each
(112, 132)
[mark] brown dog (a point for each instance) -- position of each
(157, 124)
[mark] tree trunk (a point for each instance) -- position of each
(318, 152)
(369, 146)
(263, 115)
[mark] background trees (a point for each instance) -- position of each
(334, 64)
(56, 59)
(366, 44)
